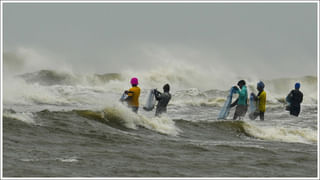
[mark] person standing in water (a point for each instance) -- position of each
(163, 99)
(261, 98)
(242, 101)
(295, 98)
(133, 95)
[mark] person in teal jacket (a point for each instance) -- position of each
(242, 101)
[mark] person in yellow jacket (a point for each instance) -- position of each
(261, 99)
(133, 95)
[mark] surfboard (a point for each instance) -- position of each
(224, 112)
(150, 102)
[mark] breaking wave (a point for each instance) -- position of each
(282, 133)
(253, 129)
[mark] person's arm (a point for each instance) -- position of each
(235, 89)
(289, 97)
(256, 98)
(234, 103)
(130, 94)
(301, 98)
(157, 94)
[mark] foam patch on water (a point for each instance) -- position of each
(66, 160)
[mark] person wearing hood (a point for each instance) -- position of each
(163, 99)
(242, 101)
(295, 98)
(261, 102)
(133, 95)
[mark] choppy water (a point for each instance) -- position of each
(62, 129)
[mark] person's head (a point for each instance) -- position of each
(260, 86)
(166, 88)
(134, 81)
(241, 83)
(297, 86)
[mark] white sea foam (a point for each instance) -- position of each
(281, 133)
(132, 120)
(26, 117)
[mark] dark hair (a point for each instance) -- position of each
(241, 82)
(166, 88)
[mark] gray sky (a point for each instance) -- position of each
(269, 40)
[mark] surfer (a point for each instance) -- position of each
(261, 99)
(295, 98)
(133, 95)
(242, 101)
(163, 99)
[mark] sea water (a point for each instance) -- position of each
(62, 124)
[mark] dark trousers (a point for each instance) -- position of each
(254, 115)
(241, 110)
(134, 109)
(295, 110)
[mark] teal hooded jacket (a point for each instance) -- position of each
(243, 96)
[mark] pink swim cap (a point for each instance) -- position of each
(134, 81)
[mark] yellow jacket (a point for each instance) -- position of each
(262, 101)
(134, 93)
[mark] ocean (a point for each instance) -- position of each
(64, 124)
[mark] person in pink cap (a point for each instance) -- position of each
(133, 95)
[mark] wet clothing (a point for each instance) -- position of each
(261, 106)
(133, 98)
(254, 115)
(163, 100)
(295, 98)
(295, 110)
(242, 103)
(240, 112)
(262, 98)
(243, 95)
(135, 109)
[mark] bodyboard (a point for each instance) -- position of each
(150, 102)
(224, 112)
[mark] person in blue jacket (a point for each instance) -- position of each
(242, 101)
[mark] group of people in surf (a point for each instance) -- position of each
(294, 99)
(134, 92)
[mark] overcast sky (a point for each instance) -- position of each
(270, 39)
